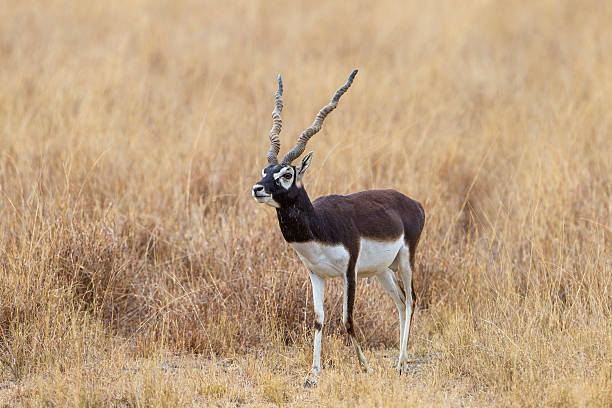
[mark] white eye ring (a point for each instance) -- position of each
(263, 173)
(287, 176)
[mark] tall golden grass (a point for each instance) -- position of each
(136, 270)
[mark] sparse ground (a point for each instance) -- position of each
(274, 377)
(136, 270)
(254, 380)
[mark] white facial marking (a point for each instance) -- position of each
(272, 203)
(263, 172)
(262, 197)
(260, 193)
(285, 177)
(281, 172)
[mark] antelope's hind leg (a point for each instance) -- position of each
(405, 263)
(389, 282)
(318, 295)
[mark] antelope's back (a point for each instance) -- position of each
(376, 214)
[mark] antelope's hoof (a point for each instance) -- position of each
(402, 367)
(311, 380)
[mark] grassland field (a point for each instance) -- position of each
(136, 270)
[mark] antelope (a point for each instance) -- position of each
(361, 235)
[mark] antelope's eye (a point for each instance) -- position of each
(287, 176)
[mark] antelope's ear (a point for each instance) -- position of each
(304, 165)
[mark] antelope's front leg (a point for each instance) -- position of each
(350, 283)
(318, 295)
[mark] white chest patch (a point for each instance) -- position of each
(332, 260)
(324, 260)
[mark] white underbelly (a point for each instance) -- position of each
(332, 260)
(377, 256)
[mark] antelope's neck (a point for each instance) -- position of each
(298, 222)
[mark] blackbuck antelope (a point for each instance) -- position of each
(370, 233)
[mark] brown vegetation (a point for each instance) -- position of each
(136, 270)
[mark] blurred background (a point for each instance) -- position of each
(131, 133)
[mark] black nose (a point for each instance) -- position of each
(257, 188)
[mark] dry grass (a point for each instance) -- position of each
(136, 270)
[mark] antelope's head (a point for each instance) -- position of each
(281, 182)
